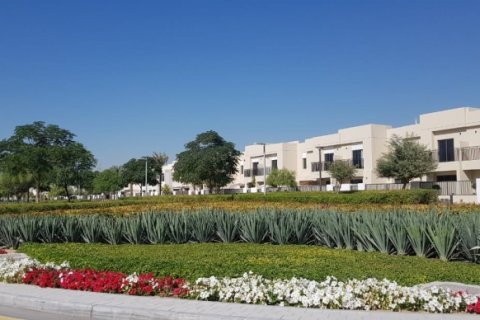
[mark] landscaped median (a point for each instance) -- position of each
(368, 294)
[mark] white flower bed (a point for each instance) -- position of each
(12, 270)
(369, 294)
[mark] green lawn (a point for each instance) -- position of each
(273, 261)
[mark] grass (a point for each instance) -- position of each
(201, 260)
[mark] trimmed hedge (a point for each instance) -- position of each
(204, 260)
(416, 196)
(393, 197)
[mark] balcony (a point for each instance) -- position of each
(459, 154)
(326, 165)
(256, 172)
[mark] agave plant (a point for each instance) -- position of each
(361, 230)
(280, 227)
(90, 230)
(154, 225)
(443, 236)
(468, 226)
(320, 233)
(132, 229)
(302, 227)
(397, 233)
(70, 229)
(178, 227)
(9, 236)
(203, 226)
(416, 226)
(49, 229)
(227, 226)
(111, 229)
(253, 227)
(377, 226)
(27, 228)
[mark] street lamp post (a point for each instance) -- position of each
(146, 176)
(264, 168)
(320, 167)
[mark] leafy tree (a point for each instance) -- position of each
(342, 171)
(209, 160)
(15, 185)
(158, 160)
(32, 149)
(133, 172)
(73, 166)
(405, 160)
(282, 177)
(108, 181)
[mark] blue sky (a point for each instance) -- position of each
(133, 77)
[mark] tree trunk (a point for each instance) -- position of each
(66, 192)
(37, 193)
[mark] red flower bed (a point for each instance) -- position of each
(106, 281)
(474, 307)
(3, 251)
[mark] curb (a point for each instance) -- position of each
(89, 305)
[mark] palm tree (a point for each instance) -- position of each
(159, 159)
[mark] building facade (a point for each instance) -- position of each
(452, 136)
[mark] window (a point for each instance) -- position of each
(328, 157)
(446, 150)
(357, 160)
(356, 180)
(274, 165)
(255, 169)
(241, 169)
(452, 177)
(304, 163)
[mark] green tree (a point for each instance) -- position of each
(342, 171)
(133, 172)
(158, 160)
(15, 185)
(108, 181)
(405, 160)
(209, 160)
(31, 151)
(73, 165)
(282, 177)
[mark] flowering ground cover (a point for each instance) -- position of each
(368, 294)
(194, 261)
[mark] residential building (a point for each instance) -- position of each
(452, 136)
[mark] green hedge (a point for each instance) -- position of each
(395, 197)
(204, 260)
(417, 196)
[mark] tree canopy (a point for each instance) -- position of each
(405, 160)
(44, 152)
(209, 160)
(108, 181)
(72, 166)
(133, 172)
(281, 178)
(342, 171)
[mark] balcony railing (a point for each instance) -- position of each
(459, 154)
(256, 172)
(326, 165)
